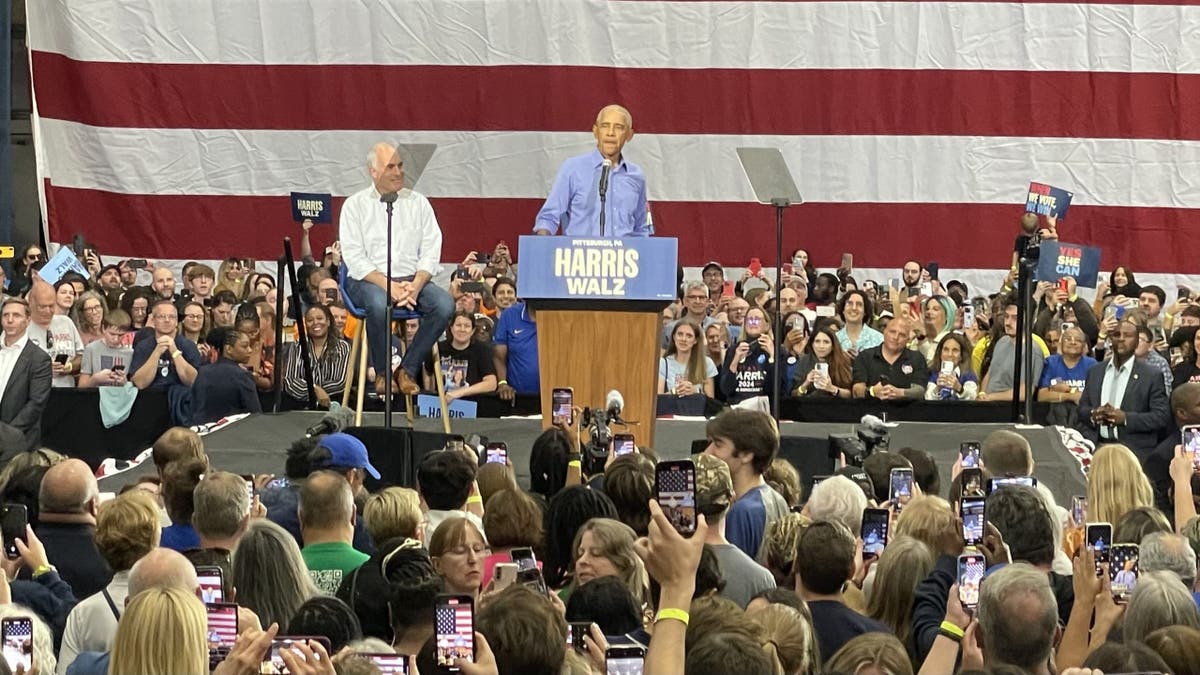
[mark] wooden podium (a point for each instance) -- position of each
(598, 306)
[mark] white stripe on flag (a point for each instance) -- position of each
(889, 35)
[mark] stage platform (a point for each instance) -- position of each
(258, 443)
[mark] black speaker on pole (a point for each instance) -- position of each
(396, 453)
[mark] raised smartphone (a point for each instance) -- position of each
(874, 532)
(497, 452)
(12, 524)
(623, 444)
(901, 488)
(212, 583)
(16, 633)
(675, 487)
(971, 567)
(969, 451)
(454, 630)
(972, 510)
(1123, 570)
(1098, 537)
(624, 660)
(562, 399)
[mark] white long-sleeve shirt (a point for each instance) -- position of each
(416, 236)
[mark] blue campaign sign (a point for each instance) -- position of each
(312, 206)
(428, 406)
(1046, 200)
(63, 261)
(1058, 260)
(574, 268)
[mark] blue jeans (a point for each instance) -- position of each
(435, 305)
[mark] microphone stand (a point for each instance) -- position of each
(389, 199)
(780, 204)
(603, 197)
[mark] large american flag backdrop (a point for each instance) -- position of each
(177, 129)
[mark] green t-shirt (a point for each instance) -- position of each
(329, 562)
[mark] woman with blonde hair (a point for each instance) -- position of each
(604, 547)
(393, 512)
(871, 653)
(903, 566)
(791, 635)
(269, 573)
(1116, 484)
(163, 630)
(929, 520)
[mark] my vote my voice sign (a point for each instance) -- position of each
(635, 268)
(312, 206)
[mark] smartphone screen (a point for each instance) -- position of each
(624, 660)
(12, 523)
(1191, 443)
(561, 401)
(211, 587)
(524, 558)
(996, 483)
(1079, 509)
(497, 453)
(727, 290)
(17, 634)
(969, 451)
(576, 630)
(971, 567)
(250, 489)
(456, 442)
(222, 628)
(874, 531)
(968, 316)
(1123, 570)
(972, 482)
(1099, 538)
(675, 485)
(61, 358)
(926, 289)
(388, 663)
(623, 444)
(273, 664)
(972, 511)
(534, 581)
(901, 492)
(454, 629)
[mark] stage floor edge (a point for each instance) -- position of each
(258, 444)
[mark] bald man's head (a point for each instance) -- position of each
(326, 502)
(41, 303)
(1185, 403)
(68, 489)
(162, 568)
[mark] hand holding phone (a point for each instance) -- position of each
(901, 488)
(971, 567)
(969, 451)
(874, 532)
(497, 452)
(972, 512)
(454, 630)
(16, 634)
(623, 444)
(562, 400)
(1098, 537)
(13, 522)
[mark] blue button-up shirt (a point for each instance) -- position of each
(574, 200)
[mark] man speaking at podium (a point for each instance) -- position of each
(598, 194)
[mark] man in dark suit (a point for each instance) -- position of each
(1124, 399)
(25, 374)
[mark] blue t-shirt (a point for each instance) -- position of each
(1056, 372)
(165, 374)
(748, 517)
(179, 537)
(517, 332)
(673, 373)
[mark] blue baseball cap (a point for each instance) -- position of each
(346, 450)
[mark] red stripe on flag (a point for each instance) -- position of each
(879, 235)
(803, 102)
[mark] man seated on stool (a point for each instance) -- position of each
(416, 250)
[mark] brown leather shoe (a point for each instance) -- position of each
(406, 384)
(380, 385)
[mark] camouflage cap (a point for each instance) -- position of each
(714, 485)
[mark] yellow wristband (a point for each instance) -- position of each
(950, 629)
(501, 383)
(175, 354)
(871, 391)
(574, 464)
(475, 499)
(672, 613)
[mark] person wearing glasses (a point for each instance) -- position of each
(164, 360)
(88, 314)
(695, 308)
(23, 269)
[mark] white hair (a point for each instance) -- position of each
(1170, 552)
(612, 106)
(840, 500)
(1160, 599)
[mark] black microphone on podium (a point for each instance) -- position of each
(389, 198)
(605, 169)
(335, 420)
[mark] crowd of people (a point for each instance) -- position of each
(770, 581)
